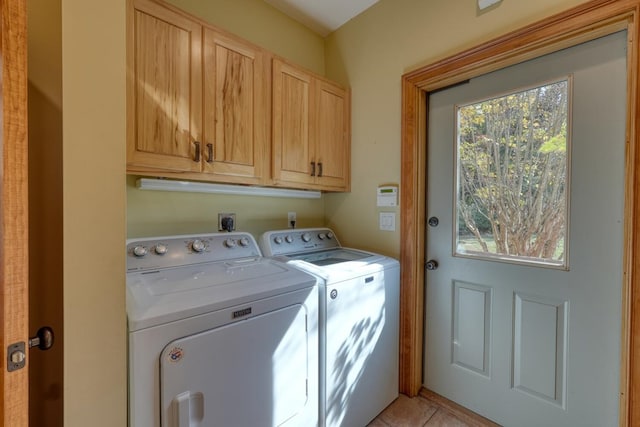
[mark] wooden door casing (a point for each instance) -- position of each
(582, 23)
(14, 208)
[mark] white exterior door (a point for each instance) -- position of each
(531, 340)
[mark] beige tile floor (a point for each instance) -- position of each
(427, 410)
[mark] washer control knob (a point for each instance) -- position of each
(230, 243)
(244, 242)
(330, 235)
(161, 249)
(289, 239)
(278, 240)
(198, 245)
(306, 237)
(140, 251)
(321, 236)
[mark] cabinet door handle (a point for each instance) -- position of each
(313, 168)
(319, 169)
(210, 153)
(197, 156)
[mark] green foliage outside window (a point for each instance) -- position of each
(512, 174)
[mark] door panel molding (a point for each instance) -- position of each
(13, 207)
(577, 25)
(472, 305)
(535, 371)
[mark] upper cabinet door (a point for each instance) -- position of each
(311, 141)
(332, 140)
(236, 110)
(165, 89)
(292, 149)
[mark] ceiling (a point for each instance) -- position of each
(322, 16)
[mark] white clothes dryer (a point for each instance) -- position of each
(359, 321)
(219, 335)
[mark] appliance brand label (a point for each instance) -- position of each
(176, 354)
(241, 313)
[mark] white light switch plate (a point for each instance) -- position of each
(388, 221)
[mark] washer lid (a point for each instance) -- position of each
(336, 265)
(165, 295)
(331, 256)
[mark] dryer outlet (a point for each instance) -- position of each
(226, 222)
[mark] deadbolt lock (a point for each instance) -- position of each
(432, 265)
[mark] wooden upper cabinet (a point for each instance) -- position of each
(198, 100)
(311, 130)
(164, 93)
(236, 110)
(203, 104)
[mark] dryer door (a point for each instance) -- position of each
(252, 372)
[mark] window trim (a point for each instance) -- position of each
(506, 258)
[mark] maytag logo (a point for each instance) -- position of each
(241, 313)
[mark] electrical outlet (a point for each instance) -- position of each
(226, 222)
(291, 220)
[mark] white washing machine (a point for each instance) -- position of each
(219, 335)
(359, 322)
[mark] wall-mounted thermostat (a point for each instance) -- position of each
(387, 195)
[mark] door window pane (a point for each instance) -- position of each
(512, 176)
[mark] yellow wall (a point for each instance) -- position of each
(100, 207)
(370, 53)
(93, 156)
(259, 23)
(160, 213)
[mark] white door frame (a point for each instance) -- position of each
(582, 23)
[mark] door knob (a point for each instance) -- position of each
(43, 339)
(432, 264)
(17, 354)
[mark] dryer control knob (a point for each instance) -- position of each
(289, 239)
(244, 242)
(321, 236)
(161, 249)
(198, 245)
(306, 237)
(278, 240)
(140, 251)
(230, 243)
(329, 235)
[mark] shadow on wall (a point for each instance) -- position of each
(45, 258)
